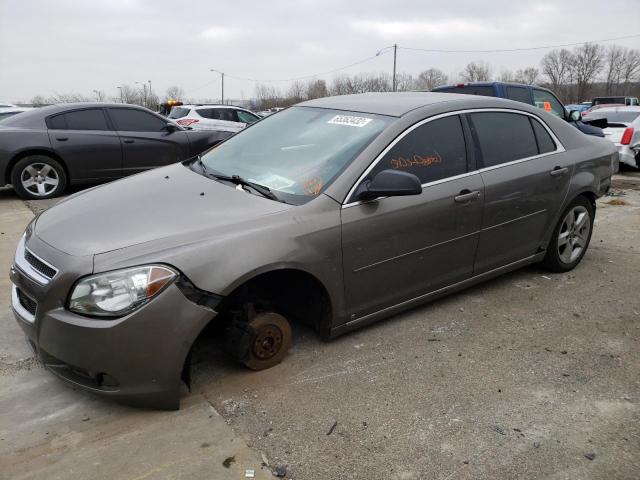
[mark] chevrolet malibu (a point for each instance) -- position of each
(335, 213)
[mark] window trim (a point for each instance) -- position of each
(559, 149)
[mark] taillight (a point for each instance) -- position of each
(185, 122)
(626, 136)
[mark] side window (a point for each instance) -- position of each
(503, 137)
(548, 102)
(206, 113)
(130, 120)
(246, 117)
(92, 119)
(433, 151)
(519, 94)
(56, 122)
(545, 142)
(226, 114)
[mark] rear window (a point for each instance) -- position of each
(178, 112)
(91, 119)
(56, 122)
(487, 90)
(519, 94)
(616, 117)
(600, 101)
(545, 142)
(504, 137)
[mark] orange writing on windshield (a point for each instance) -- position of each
(416, 161)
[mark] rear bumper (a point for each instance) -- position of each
(137, 359)
(627, 156)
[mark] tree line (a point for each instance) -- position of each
(574, 75)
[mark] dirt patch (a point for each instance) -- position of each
(616, 201)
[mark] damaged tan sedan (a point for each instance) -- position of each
(335, 213)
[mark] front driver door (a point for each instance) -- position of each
(146, 142)
(399, 248)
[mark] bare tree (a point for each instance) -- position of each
(317, 89)
(405, 82)
(267, 95)
(476, 72)
(588, 62)
(39, 101)
(297, 91)
(431, 78)
(556, 65)
(507, 75)
(527, 75)
(174, 93)
(630, 71)
(130, 95)
(613, 65)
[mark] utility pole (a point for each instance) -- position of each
(395, 49)
(120, 88)
(222, 78)
(149, 89)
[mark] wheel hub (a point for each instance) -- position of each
(268, 342)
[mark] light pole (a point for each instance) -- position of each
(150, 97)
(120, 88)
(395, 49)
(222, 77)
(97, 95)
(144, 92)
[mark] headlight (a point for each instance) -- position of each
(117, 293)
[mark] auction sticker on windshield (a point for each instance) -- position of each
(349, 120)
(276, 182)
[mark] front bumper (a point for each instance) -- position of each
(137, 359)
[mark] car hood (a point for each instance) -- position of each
(173, 201)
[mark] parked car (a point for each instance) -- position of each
(336, 213)
(620, 100)
(6, 112)
(593, 108)
(624, 131)
(45, 149)
(580, 107)
(223, 118)
(530, 94)
(266, 113)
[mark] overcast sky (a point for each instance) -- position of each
(61, 46)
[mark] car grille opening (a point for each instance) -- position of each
(27, 302)
(39, 265)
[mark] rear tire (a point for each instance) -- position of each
(571, 236)
(37, 177)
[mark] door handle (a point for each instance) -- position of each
(556, 172)
(128, 141)
(466, 196)
(62, 139)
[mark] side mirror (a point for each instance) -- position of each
(171, 127)
(575, 115)
(389, 183)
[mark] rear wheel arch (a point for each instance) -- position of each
(26, 153)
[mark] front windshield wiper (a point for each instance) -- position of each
(237, 180)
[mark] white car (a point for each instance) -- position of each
(266, 113)
(223, 118)
(623, 130)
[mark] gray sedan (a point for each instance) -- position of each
(335, 213)
(45, 149)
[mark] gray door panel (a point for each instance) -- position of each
(398, 248)
(521, 200)
(89, 154)
(145, 150)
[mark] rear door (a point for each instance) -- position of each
(86, 142)
(526, 177)
(146, 142)
(398, 248)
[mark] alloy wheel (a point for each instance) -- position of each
(574, 234)
(39, 179)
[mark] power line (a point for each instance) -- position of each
(432, 50)
(386, 50)
(303, 77)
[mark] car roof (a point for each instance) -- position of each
(621, 108)
(396, 104)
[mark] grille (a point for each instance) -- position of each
(27, 303)
(39, 265)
